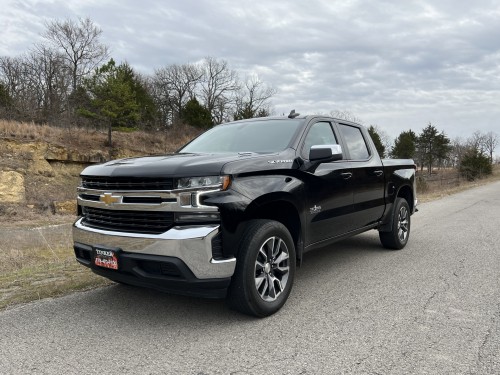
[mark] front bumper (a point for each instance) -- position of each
(179, 260)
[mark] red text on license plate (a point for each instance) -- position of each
(106, 259)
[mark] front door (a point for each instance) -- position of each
(328, 189)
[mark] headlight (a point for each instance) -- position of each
(221, 182)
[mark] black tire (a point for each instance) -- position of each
(397, 238)
(265, 269)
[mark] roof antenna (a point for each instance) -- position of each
(293, 114)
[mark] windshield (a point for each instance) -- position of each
(261, 136)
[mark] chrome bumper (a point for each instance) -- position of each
(191, 244)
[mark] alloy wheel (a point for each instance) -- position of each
(272, 268)
(403, 224)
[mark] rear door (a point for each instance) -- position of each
(367, 181)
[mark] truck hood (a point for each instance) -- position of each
(174, 165)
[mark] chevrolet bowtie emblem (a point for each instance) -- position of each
(109, 198)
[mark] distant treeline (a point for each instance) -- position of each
(69, 79)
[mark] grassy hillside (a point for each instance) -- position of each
(85, 140)
(45, 163)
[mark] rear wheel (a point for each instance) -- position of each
(265, 269)
(397, 238)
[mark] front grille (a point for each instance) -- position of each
(127, 183)
(90, 197)
(127, 221)
(132, 199)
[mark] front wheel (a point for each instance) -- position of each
(265, 269)
(397, 238)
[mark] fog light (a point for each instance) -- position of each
(197, 217)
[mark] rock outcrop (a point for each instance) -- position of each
(12, 187)
(36, 173)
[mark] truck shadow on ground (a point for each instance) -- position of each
(133, 304)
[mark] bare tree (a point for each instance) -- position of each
(10, 72)
(177, 84)
(37, 84)
(79, 44)
(458, 151)
(10, 76)
(17, 78)
(491, 141)
(477, 142)
(345, 115)
(218, 87)
(50, 80)
(253, 99)
(161, 95)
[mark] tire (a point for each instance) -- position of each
(397, 238)
(265, 269)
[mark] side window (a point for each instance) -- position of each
(355, 142)
(320, 133)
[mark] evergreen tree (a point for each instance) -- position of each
(442, 148)
(147, 106)
(405, 145)
(475, 165)
(195, 114)
(432, 147)
(113, 100)
(377, 141)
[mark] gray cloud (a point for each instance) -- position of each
(395, 64)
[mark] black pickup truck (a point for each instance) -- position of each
(232, 213)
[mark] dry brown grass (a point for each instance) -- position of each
(124, 143)
(448, 182)
(39, 263)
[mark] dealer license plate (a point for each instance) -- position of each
(106, 258)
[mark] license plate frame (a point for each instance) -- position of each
(105, 257)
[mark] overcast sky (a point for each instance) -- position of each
(395, 64)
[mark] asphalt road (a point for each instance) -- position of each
(432, 308)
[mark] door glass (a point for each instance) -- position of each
(319, 134)
(355, 142)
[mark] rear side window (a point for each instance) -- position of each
(355, 142)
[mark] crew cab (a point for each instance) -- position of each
(232, 213)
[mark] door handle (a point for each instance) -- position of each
(346, 175)
(378, 173)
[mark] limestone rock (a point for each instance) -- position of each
(41, 167)
(66, 207)
(12, 187)
(55, 152)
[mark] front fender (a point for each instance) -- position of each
(250, 198)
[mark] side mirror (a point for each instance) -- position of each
(325, 153)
